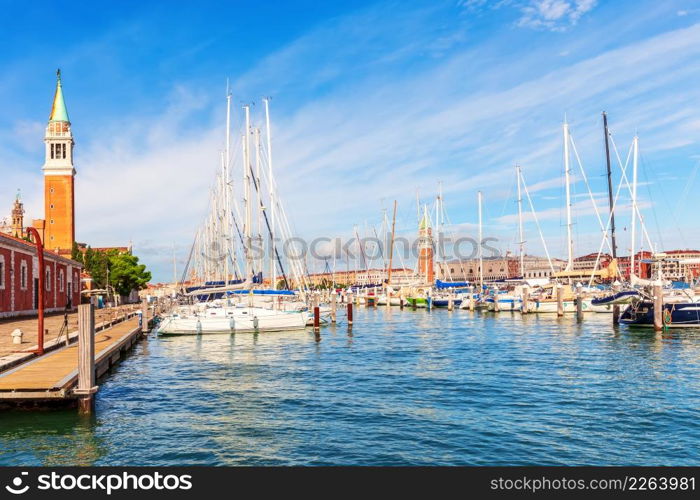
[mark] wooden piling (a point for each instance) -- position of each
(658, 308)
(450, 303)
(317, 318)
(525, 299)
(471, 299)
(560, 300)
(579, 306)
(334, 306)
(144, 316)
(86, 358)
(349, 313)
(616, 315)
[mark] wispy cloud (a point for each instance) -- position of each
(555, 15)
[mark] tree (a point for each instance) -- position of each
(125, 272)
(76, 254)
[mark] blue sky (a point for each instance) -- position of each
(371, 101)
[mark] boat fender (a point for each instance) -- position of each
(667, 317)
(232, 325)
(255, 322)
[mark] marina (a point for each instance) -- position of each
(468, 389)
(431, 234)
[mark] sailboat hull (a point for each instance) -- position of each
(248, 321)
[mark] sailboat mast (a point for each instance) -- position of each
(610, 186)
(271, 187)
(520, 224)
(567, 180)
(391, 246)
(481, 256)
(259, 204)
(246, 193)
(633, 231)
(228, 233)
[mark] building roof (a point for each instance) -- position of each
(15, 241)
(59, 113)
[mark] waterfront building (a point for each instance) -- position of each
(376, 276)
(19, 279)
(498, 268)
(674, 267)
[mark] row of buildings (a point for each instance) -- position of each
(508, 267)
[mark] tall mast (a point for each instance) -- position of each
(224, 230)
(633, 232)
(174, 267)
(271, 187)
(481, 257)
(610, 186)
(391, 246)
(259, 205)
(520, 224)
(567, 174)
(246, 191)
(228, 233)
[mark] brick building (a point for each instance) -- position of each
(19, 279)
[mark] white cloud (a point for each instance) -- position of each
(554, 14)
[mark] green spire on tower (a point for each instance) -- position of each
(59, 113)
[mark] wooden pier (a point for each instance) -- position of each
(52, 379)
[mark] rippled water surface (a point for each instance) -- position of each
(406, 387)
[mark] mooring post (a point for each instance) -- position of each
(86, 358)
(350, 313)
(317, 319)
(560, 300)
(658, 307)
(525, 297)
(450, 303)
(334, 306)
(579, 305)
(144, 316)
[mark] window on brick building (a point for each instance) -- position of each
(2, 272)
(61, 280)
(23, 275)
(47, 279)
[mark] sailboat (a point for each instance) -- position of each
(225, 305)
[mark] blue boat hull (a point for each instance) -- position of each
(683, 315)
(444, 302)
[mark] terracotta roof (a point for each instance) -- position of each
(33, 246)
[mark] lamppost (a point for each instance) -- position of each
(40, 292)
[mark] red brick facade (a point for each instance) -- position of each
(19, 267)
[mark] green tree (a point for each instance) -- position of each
(76, 254)
(125, 272)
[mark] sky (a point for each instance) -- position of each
(371, 102)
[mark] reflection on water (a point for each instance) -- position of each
(49, 438)
(402, 387)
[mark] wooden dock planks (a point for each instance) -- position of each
(52, 374)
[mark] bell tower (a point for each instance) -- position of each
(59, 177)
(18, 218)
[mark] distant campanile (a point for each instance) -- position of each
(59, 177)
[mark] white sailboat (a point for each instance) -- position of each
(223, 309)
